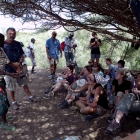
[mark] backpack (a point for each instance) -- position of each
(62, 45)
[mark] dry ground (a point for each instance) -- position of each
(45, 121)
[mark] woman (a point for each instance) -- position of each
(77, 88)
(129, 103)
(96, 100)
(4, 103)
(120, 87)
(67, 80)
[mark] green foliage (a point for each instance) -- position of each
(114, 49)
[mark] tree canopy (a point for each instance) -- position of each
(110, 17)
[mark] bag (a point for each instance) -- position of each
(62, 45)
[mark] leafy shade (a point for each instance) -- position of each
(111, 17)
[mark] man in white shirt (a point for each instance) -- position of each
(69, 49)
(32, 54)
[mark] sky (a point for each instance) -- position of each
(9, 22)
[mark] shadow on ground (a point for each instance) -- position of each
(45, 121)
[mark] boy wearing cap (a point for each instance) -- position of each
(69, 49)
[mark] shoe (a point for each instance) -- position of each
(33, 72)
(30, 80)
(49, 94)
(114, 127)
(15, 106)
(50, 77)
(7, 126)
(64, 105)
(110, 119)
(91, 117)
(33, 99)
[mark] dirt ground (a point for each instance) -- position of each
(45, 121)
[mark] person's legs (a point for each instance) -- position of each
(26, 72)
(68, 95)
(51, 68)
(66, 57)
(72, 57)
(69, 92)
(57, 86)
(26, 89)
(93, 57)
(28, 92)
(123, 108)
(3, 117)
(118, 98)
(33, 64)
(97, 57)
(11, 87)
(87, 110)
(55, 65)
(81, 103)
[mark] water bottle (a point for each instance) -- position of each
(111, 98)
(91, 99)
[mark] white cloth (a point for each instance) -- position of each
(101, 80)
(81, 82)
(26, 51)
(31, 46)
(69, 43)
(59, 78)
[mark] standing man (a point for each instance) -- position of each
(14, 52)
(69, 49)
(53, 49)
(32, 54)
(95, 47)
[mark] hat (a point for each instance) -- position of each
(72, 138)
(72, 33)
(81, 82)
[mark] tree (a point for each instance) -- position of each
(111, 17)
